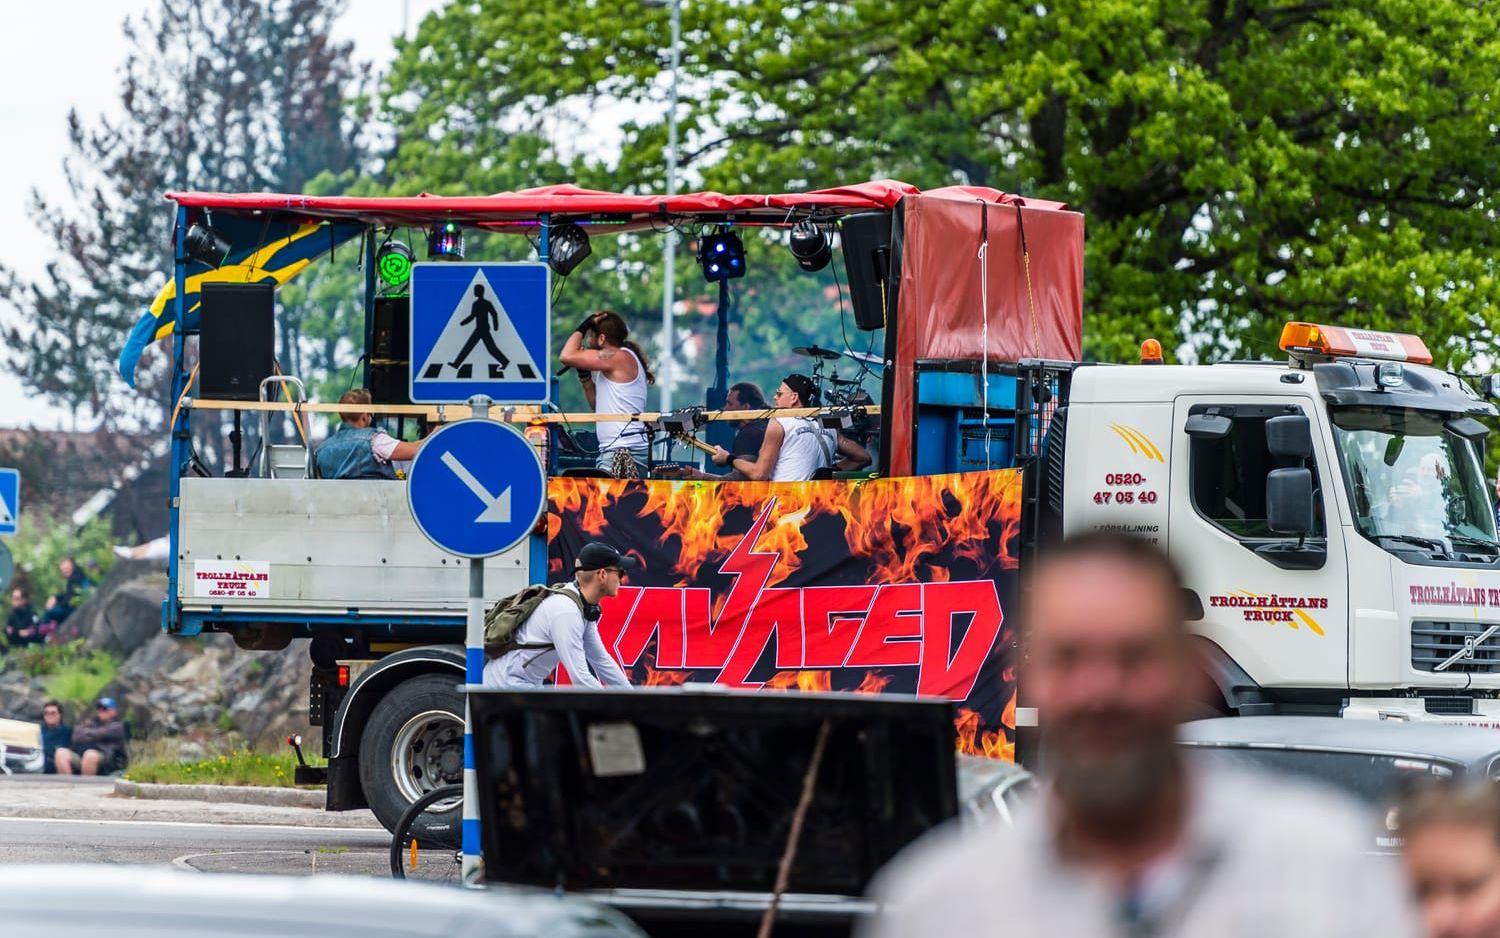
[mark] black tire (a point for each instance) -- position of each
(402, 835)
(430, 708)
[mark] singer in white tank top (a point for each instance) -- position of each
(614, 379)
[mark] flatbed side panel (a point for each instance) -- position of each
(330, 546)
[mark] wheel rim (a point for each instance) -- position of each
(428, 754)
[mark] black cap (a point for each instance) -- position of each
(804, 388)
(597, 556)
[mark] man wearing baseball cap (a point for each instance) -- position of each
(794, 448)
(565, 627)
(98, 743)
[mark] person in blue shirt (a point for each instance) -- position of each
(55, 734)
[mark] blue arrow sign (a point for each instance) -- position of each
(10, 500)
(480, 329)
(476, 488)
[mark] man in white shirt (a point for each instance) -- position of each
(1128, 837)
(565, 628)
(795, 448)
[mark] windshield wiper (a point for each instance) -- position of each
(1467, 541)
(1431, 543)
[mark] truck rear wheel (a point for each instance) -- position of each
(414, 744)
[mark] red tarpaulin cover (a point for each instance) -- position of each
(567, 199)
(940, 311)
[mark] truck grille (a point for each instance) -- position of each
(1432, 643)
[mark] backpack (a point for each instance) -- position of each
(507, 616)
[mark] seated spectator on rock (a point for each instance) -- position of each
(98, 746)
(61, 604)
(21, 625)
(55, 734)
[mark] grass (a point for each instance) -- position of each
(68, 671)
(240, 767)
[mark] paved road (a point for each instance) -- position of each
(85, 824)
(262, 848)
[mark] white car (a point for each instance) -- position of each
(83, 901)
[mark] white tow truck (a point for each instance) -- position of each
(1330, 511)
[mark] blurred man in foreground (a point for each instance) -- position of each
(1130, 839)
(1451, 850)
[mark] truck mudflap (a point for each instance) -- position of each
(1457, 710)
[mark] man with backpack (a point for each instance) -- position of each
(527, 634)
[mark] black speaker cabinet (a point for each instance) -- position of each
(237, 340)
(866, 240)
(389, 383)
(392, 329)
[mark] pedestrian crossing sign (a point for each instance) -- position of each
(10, 500)
(480, 329)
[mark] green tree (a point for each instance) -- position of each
(490, 97)
(215, 94)
(1240, 163)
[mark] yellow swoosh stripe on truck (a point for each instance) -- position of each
(1298, 615)
(1138, 442)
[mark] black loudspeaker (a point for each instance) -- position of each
(390, 350)
(389, 384)
(866, 240)
(237, 340)
(392, 341)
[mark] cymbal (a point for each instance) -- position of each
(813, 351)
(846, 382)
(866, 357)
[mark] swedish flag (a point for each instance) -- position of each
(260, 251)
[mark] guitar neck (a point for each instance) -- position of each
(687, 439)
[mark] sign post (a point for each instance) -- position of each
(10, 500)
(476, 489)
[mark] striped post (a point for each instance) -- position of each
(473, 677)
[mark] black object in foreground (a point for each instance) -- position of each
(676, 803)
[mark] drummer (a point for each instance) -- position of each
(795, 448)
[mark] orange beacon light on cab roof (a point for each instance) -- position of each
(1348, 342)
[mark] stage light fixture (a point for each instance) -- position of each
(567, 246)
(445, 241)
(393, 263)
(722, 256)
(206, 245)
(810, 245)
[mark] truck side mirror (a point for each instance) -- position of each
(1490, 386)
(1289, 501)
(1207, 426)
(1290, 436)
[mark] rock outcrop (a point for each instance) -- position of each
(196, 688)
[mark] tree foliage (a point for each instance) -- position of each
(1239, 163)
(214, 94)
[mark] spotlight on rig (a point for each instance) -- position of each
(567, 246)
(204, 244)
(445, 242)
(722, 256)
(810, 245)
(393, 263)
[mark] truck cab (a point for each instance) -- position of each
(1330, 513)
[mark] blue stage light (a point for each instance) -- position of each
(722, 256)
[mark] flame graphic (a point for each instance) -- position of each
(888, 522)
(655, 678)
(991, 745)
(817, 681)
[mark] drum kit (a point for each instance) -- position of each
(844, 392)
(833, 390)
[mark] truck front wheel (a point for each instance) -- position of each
(414, 744)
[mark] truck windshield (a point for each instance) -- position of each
(1413, 480)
